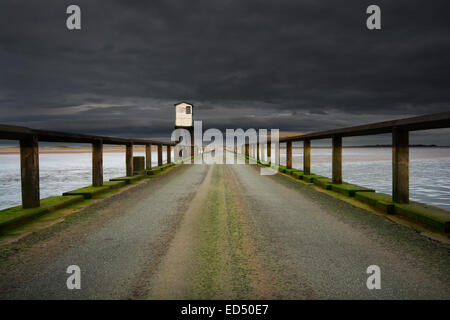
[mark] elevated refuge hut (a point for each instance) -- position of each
(184, 113)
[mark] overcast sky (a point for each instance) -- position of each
(296, 65)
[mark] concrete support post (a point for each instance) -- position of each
(97, 164)
(307, 156)
(148, 156)
(160, 155)
(337, 160)
(400, 165)
(289, 154)
(129, 159)
(29, 170)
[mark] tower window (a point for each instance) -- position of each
(188, 110)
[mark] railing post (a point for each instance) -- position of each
(129, 159)
(247, 150)
(337, 159)
(192, 143)
(400, 165)
(307, 156)
(289, 154)
(278, 154)
(257, 149)
(29, 169)
(269, 151)
(160, 153)
(168, 154)
(148, 156)
(97, 164)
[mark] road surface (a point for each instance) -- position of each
(225, 232)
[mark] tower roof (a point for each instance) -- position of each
(176, 104)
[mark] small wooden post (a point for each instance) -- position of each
(400, 165)
(168, 154)
(269, 151)
(97, 164)
(289, 154)
(160, 153)
(129, 159)
(307, 156)
(148, 156)
(337, 159)
(29, 170)
(138, 165)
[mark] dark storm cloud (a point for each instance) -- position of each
(294, 65)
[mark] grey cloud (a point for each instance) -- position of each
(296, 65)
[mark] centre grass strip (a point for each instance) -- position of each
(222, 266)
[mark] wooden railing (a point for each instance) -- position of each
(400, 147)
(29, 155)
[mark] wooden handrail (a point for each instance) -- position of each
(29, 155)
(400, 147)
(8, 132)
(432, 121)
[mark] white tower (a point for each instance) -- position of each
(183, 115)
(183, 119)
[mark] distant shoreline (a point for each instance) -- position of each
(68, 150)
(121, 149)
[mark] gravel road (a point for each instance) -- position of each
(116, 257)
(225, 231)
(326, 245)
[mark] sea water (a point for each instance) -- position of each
(368, 167)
